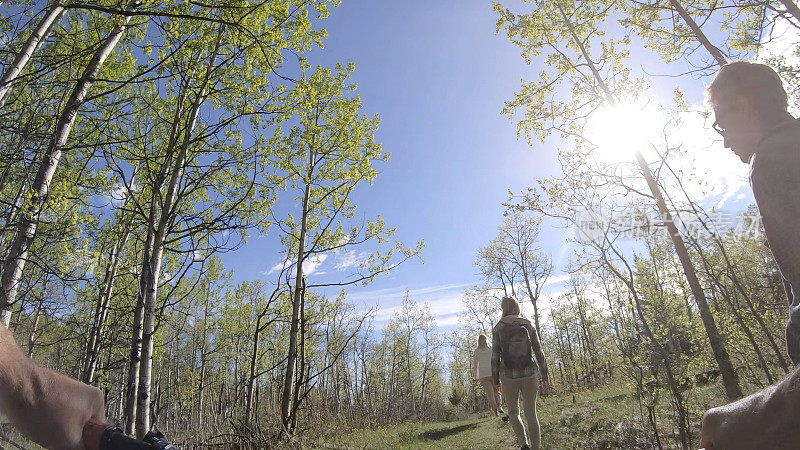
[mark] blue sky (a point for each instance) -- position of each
(437, 75)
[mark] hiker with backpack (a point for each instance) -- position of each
(482, 373)
(515, 342)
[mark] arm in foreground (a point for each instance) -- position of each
(767, 419)
(536, 346)
(495, 357)
(47, 407)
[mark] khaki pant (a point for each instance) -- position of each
(491, 393)
(528, 388)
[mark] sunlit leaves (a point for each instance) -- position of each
(583, 66)
(328, 149)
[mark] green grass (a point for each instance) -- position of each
(605, 418)
(480, 431)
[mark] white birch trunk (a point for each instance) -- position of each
(145, 372)
(34, 41)
(287, 410)
(101, 309)
(26, 230)
(134, 359)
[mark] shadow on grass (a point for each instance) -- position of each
(435, 435)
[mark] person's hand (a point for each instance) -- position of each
(767, 419)
(497, 388)
(544, 386)
(55, 409)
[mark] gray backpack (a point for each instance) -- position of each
(515, 346)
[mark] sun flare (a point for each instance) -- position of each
(619, 130)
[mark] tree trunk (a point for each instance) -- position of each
(121, 400)
(424, 382)
(750, 337)
(302, 377)
(201, 384)
(698, 33)
(34, 41)
(562, 355)
(291, 359)
(729, 377)
(26, 230)
(734, 309)
(534, 300)
(727, 372)
(791, 8)
(134, 365)
(101, 309)
(732, 274)
(167, 213)
(674, 389)
(251, 379)
(409, 370)
(13, 210)
(34, 327)
(135, 358)
(148, 329)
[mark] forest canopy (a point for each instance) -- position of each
(142, 141)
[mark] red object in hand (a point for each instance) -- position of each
(93, 433)
(544, 386)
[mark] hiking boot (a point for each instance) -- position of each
(504, 418)
(525, 447)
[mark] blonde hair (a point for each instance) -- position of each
(482, 342)
(757, 82)
(510, 306)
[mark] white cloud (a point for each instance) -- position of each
(118, 193)
(556, 280)
(277, 267)
(445, 301)
(449, 320)
(395, 294)
(350, 259)
(310, 265)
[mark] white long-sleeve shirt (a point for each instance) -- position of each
(482, 362)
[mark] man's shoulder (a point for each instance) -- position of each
(781, 142)
(777, 157)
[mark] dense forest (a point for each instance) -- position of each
(141, 140)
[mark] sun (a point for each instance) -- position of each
(618, 131)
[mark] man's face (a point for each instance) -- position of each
(739, 126)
